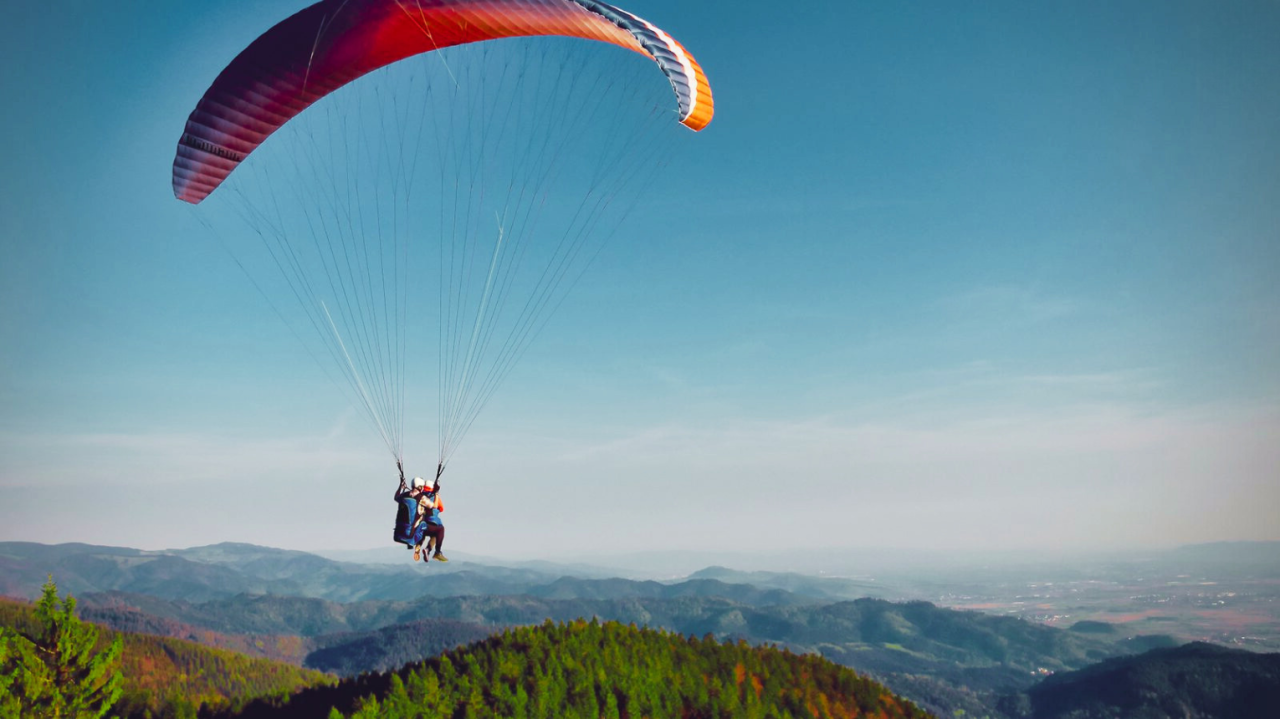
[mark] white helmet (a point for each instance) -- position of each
(419, 482)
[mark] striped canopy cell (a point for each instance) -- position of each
(334, 42)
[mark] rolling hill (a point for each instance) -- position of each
(221, 571)
(588, 669)
(942, 658)
(226, 570)
(169, 677)
(1193, 681)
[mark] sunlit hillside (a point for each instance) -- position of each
(589, 669)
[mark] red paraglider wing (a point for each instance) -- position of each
(331, 43)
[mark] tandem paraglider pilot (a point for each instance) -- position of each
(418, 518)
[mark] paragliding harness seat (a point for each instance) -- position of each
(406, 510)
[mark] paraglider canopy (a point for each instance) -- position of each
(331, 43)
(511, 159)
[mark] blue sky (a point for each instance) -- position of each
(936, 276)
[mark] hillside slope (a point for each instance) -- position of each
(1194, 681)
(165, 677)
(587, 669)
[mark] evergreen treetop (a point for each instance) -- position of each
(56, 671)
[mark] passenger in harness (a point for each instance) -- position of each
(430, 527)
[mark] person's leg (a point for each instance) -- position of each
(419, 536)
(437, 531)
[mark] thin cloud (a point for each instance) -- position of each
(1036, 438)
(42, 459)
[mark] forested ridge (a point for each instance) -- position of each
(390, 648)
(610, 670)
(165, 677)
(1193, 681)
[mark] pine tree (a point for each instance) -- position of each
(520, 708)
(10, 706)
(475, 707)
(58, 672)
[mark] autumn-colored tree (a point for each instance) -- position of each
(57, 672)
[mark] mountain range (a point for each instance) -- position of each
(348, 618)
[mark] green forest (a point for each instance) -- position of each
(163, 677)
(601, 670)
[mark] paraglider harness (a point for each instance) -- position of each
(407, 508)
